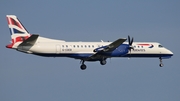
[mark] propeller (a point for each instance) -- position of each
(130, 41)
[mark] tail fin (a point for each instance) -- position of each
(17, 30)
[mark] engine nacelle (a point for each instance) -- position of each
(100, 49)
(122, 50)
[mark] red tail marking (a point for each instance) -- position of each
(18, 39)
(13, 22)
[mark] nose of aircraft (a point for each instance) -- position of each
(169, 52)
(166, 54)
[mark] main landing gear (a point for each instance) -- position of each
(103, 62)
(161, 64)
(83, 66)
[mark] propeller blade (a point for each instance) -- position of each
(130, 44)
(132, 40)
(129, 39)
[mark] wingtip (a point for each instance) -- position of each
(124, 38)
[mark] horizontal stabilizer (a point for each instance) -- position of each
(30, 41)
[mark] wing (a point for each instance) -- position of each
(114, 45)
(109, 48)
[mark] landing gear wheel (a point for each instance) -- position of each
(161, 65)
(103, 62)
(83, 67)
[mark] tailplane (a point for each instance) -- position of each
(20, 36)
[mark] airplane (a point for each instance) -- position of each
(25, 42)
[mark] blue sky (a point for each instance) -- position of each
(25, 77)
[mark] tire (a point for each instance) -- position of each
(83, 67)
(103, 62)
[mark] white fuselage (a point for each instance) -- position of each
(60, 48)
(25, 42)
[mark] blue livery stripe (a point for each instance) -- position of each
(85, 55)
(10, 31)
(17, 31)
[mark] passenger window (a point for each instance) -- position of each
(92, 46)
(81, 46)
(66, 45)
(77, 46)
(74, 46)
(63, 46)
(85, 46)
(89, 46)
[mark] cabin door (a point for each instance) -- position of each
(58, 49)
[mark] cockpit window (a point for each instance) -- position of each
(160, 46)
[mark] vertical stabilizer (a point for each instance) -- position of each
(17, 30)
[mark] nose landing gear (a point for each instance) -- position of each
(161, 64)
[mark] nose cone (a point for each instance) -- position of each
(169, 53)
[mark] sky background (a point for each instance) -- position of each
(25, 77)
